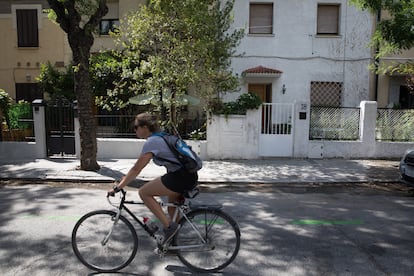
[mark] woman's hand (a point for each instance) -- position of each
(114, 189)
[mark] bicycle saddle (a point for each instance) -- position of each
(191, 193)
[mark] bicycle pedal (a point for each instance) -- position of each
(166, 252)
(159, 252)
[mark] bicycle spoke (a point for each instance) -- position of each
(221, 236)
(103, 245)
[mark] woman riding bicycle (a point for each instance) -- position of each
(176, 181)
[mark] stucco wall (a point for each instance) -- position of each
(109, 148)
(233, 136)
(22, 65)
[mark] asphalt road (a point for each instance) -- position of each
(301, 230)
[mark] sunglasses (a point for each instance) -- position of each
(136, 127)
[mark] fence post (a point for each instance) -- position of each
(367, 126)
(76, 126)
(39, 127)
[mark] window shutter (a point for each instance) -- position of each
(27, 31)
(261, 19)
(328, 19)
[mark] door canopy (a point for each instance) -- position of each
(261, 72)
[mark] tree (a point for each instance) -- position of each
(394, 33)
(170, 47)
(110, 85)
(79, 19)
(397, 31)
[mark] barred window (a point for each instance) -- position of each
(27, 28)
(327, 94)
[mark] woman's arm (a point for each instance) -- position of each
(142, 161)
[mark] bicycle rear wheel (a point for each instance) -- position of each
(220, 233)
(103, 245)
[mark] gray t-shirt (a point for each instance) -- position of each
(160, 150)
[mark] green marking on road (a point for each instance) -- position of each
(51, 217)
(327, 222)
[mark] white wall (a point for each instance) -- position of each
(228, 138)
(233, 136)
(18, 150)
(114, 148)
(28, 150)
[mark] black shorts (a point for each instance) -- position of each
(180, 181)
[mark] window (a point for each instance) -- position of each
(328, 19)
(326, 94)
(261, 18)
(108, 25)
(28, 92)
(406, 98)
(27, 28)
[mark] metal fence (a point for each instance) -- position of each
(277, 118)
(22, 134)
(122, 126)
(20, 127)
(395, 125)
(334, 123)
(115, 126)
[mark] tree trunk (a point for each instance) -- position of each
(80, 37)
(81, 44)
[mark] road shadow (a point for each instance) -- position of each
(283, 232)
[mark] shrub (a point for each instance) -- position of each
(21, 110)
(243, 103)
(5, 103)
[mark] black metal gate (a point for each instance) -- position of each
(60, 134)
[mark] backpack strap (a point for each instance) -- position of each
(162, 135)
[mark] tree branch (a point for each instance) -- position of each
(97, 16)
(61, 16)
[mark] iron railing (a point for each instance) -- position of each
(122, 126)
(115, 126)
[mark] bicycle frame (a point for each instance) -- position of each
(208, 239)
(180, 209)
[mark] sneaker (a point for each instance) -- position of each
(170, 231)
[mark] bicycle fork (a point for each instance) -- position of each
(115, 220)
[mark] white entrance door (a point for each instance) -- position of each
(276, 135)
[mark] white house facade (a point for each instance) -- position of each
(314, 43)
(296, 54)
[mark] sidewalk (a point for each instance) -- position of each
(277, 170)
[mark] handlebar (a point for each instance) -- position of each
(122, 196)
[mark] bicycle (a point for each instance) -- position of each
(207, 241)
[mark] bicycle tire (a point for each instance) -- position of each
(89, 233)
(222, 234)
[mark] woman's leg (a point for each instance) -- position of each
(171, 210)
(156, 188)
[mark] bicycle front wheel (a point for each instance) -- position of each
(102, 243)
(208, 241)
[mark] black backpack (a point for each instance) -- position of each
(183, 152)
